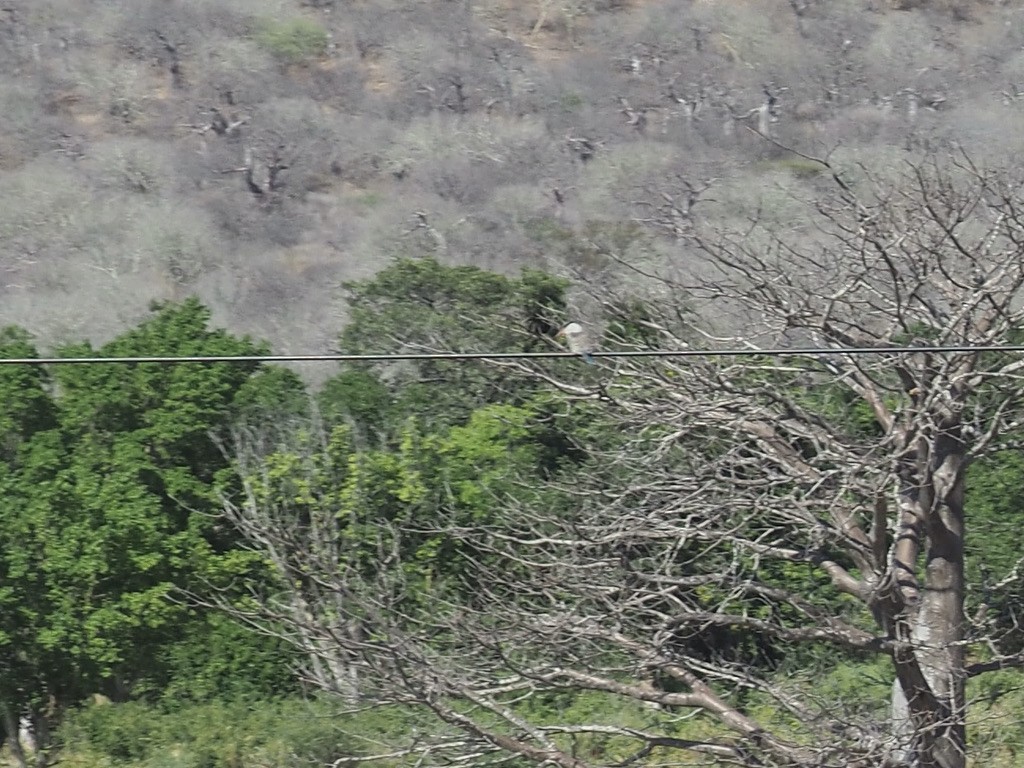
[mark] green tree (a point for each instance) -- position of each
(326, 504)
(25, 403)
(108, 500)
(422, 306)
(26, 410)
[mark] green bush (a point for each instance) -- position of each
(995, 733)
(123, 732)
(272, 734)
(295, 42)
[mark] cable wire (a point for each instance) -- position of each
(387, 357)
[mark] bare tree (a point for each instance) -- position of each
(668, 575)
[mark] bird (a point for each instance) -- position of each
(579, 341)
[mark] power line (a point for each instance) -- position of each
(330, 357)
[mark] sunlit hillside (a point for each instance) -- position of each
(261, 153)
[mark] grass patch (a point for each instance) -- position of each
(298, 41)
(798, 167)
(272, 734)
(370, 199)
(570, 102)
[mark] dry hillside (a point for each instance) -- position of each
(259, 153)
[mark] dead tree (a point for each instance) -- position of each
(691, 106)
(219, 123)
(423, 224)
(670, 210)
(637, 118)
(174, 66)
(793, 500)
(582, 147)
(935, 261)
(262, 173)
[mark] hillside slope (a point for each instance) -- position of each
(259, 153)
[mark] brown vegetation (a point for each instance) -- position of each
(153, 149)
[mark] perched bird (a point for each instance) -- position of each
(579, 341)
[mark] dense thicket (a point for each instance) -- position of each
(114, 476)
(108, 507)
(728, 530)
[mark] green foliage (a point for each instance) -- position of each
(358, 397)
(297, 41)
(221, 734)
(218, 659)
(25, 404)
(423, 306)
(862, 688)
(995, 732)
(630, 322)
(419, 301)
(570, 101)
(842, 407)
(108, 502)
(587, 707)
(270, 394)
(995, 495)
(405, 496)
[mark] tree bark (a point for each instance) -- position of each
(929, 725)
(13, 728)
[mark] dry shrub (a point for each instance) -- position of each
(133, 164)
(608, 180)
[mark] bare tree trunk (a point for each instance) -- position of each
(13, 729)
(929, 726)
